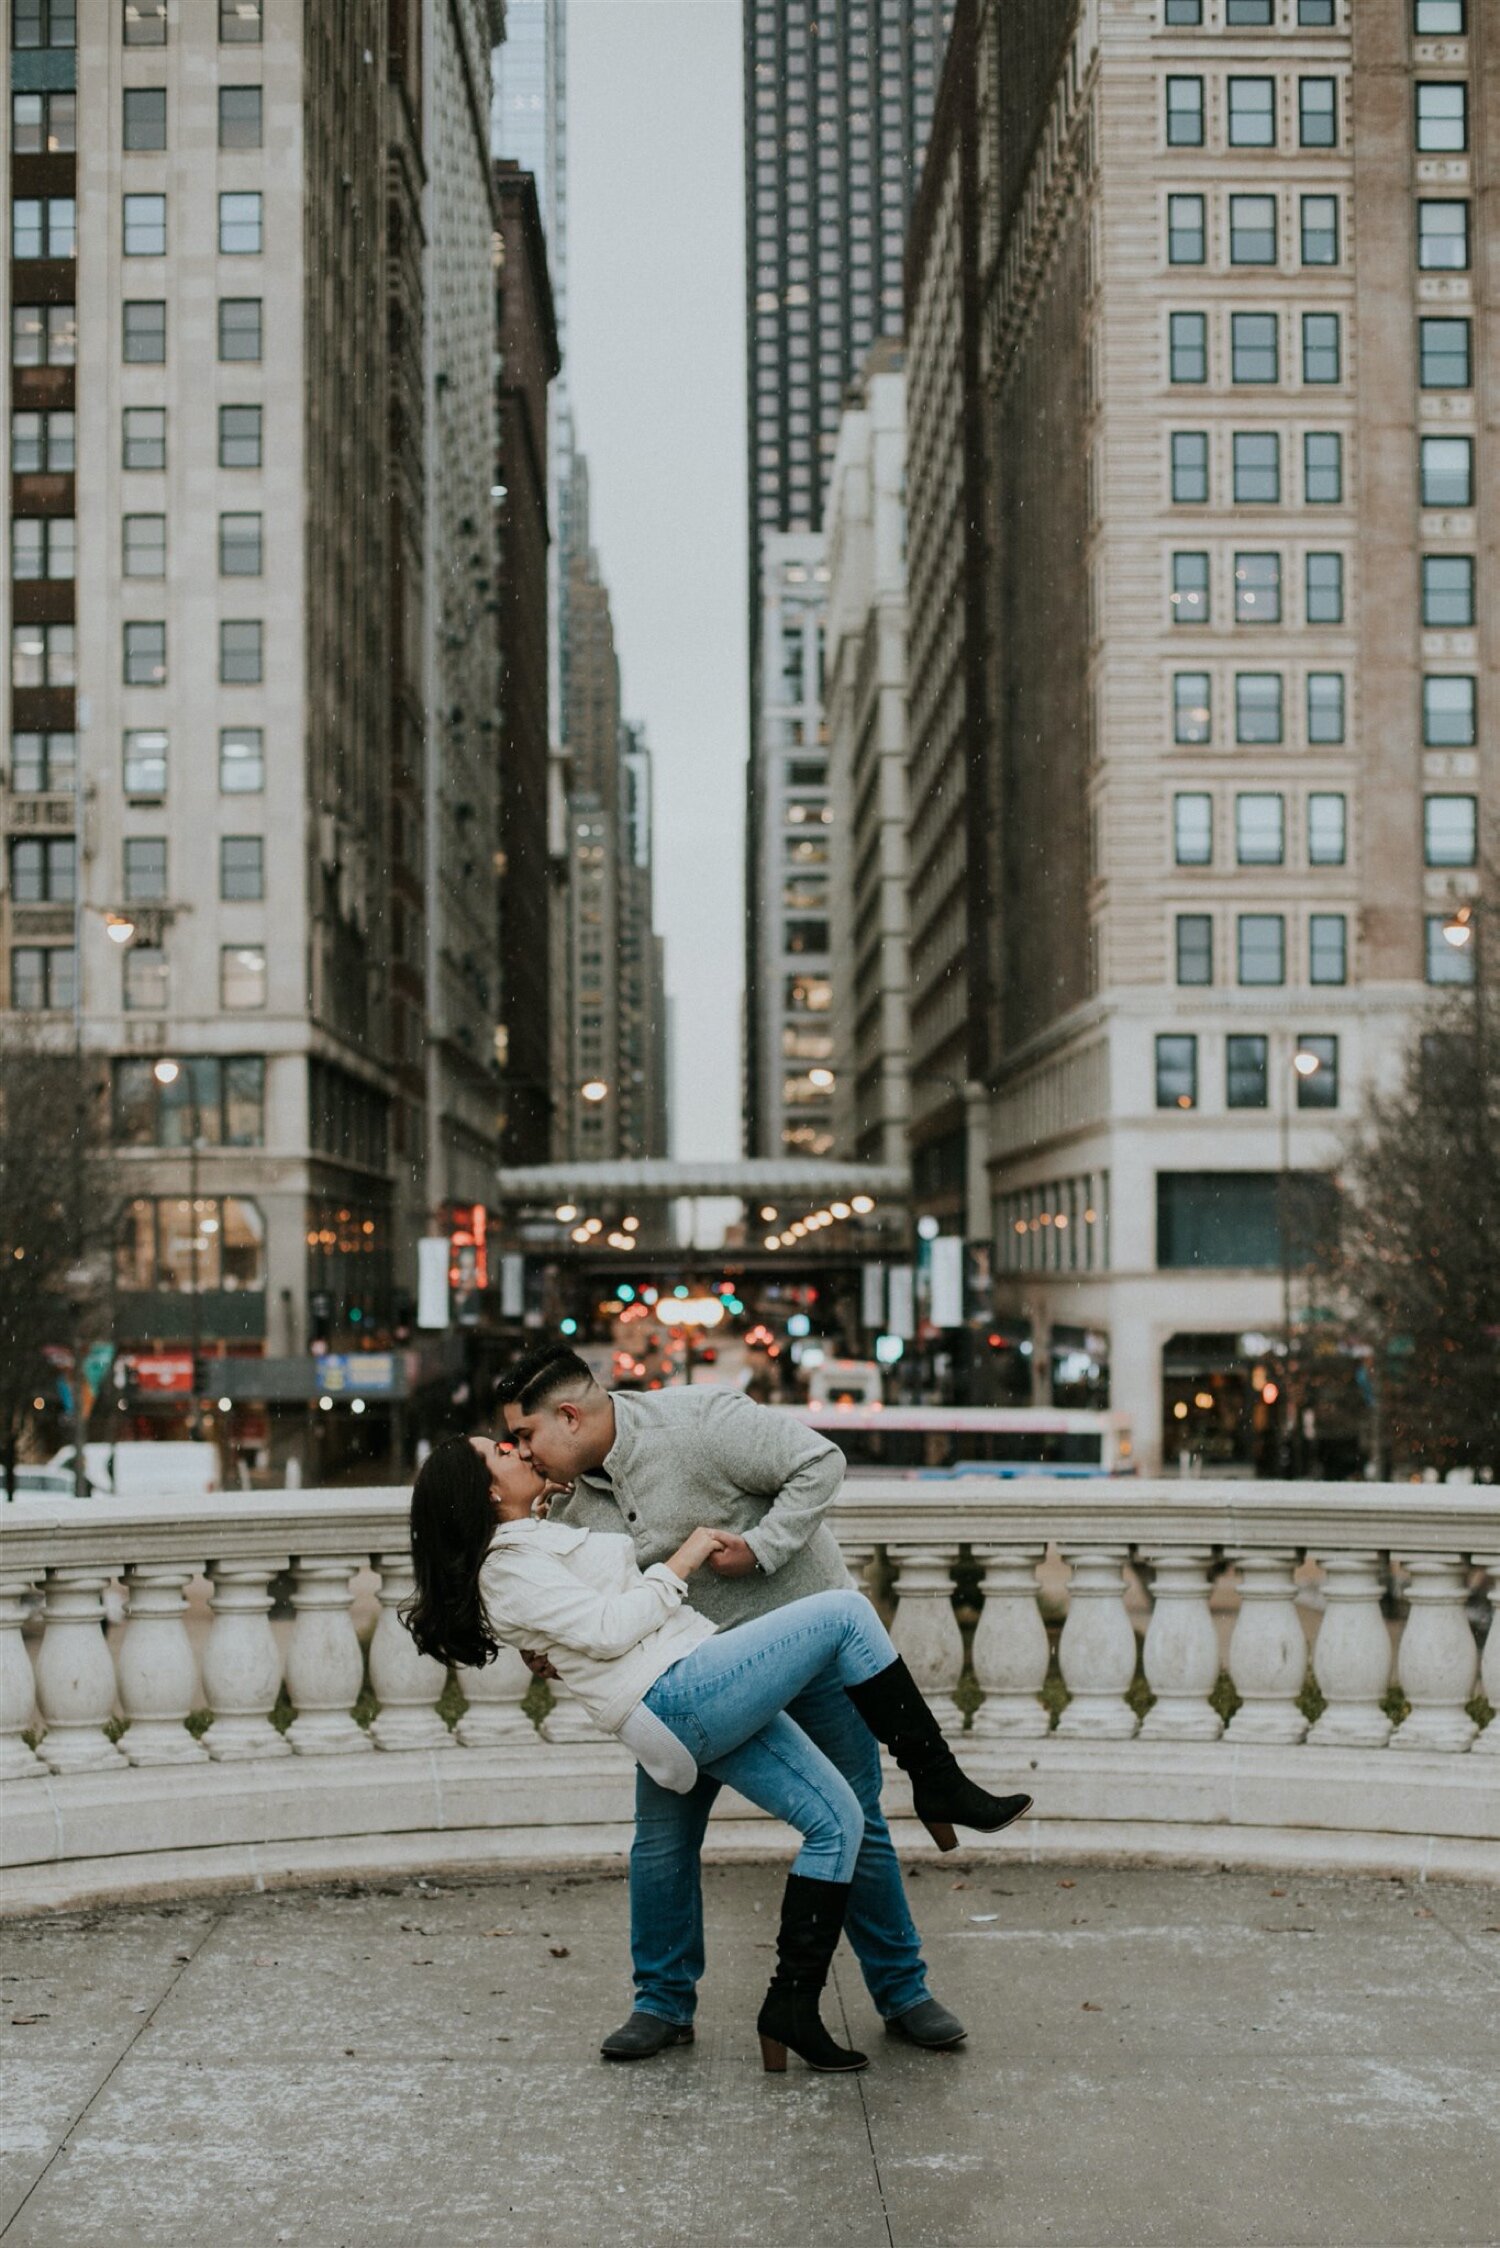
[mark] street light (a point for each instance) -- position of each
(822, 1079)
(1458, 929)
(1305, 1065)
(594, 1090)
(119, 928)
(166, 1071)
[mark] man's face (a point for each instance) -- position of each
(549, 1437)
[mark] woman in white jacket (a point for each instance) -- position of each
(492, 1571)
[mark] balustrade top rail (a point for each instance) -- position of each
(872, 1510)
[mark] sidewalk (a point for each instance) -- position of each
(1179, 2059)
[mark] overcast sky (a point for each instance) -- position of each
(656, 312)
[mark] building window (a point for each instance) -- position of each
(43, 124)
(143, 442)
(1323, 468)
(43, 335)
(1443, 118)
(43, 546)
(1189, 467)
(145, 226)
(1257, 708)
(145, 334)
(1445, 963)
(1262, 948)
(1189, 347)
(1257, 467)
(1233, 1220)
(242, 867)
(145, 762)
(241, 652)
(1184, 12)
(145, 546)
(1444, 354)
(242, 977)
(1326, 830)
(239, 437)
(41, 978)
(1185, 230)
(1190, 597)
(1447, 472)
(1176, 1071)
(145, 122)
(242, 760)
(1322, 349)
(44, 23)
(1252, 230)
(1259, 830)
(239, 328)
(239, 226)
(1443, 237)
(1448, 713)
(40, 763)
(145, 869)
(1319, 1088)
(1450, 830)
(1327, 949)
(145, 23)
(1252, 113)
(240, 546)
(1246, 1072)
(1447, 591)
(240, 124)
(1193, 829)
(220, 1102)
(1324, 589)
(146, 655)
(43, 226)
(42, 444)
(1248, 14)
(1325, 707)
(1316, 15)
(1317, 112)
(43, 655)
(1254, 350)
(1195, 948)
(1440, 19)
(1320, 230)
(240, 22)
(1257, 589)
(43, 871)
(144, 981)
(1192, 707)
(159, 1246)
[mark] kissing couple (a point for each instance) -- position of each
(684, 1584)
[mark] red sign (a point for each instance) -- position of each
(469, 1265)
(161, 1373)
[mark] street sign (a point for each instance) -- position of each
(372, 1373)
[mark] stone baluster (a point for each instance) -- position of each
(1268, 1651)
(17, 1685)
(567, 1719)
(1011, 1652)
(1097, 1651)
(1352, 1654)
(406, 1682)
(925, 1632)
(75, 1674)
(857, 1559)
(1488, 1743)
(1437, 1661)
(325, 1665)
(494, 1717)
(242, 1662)
(1182, 1648)
(157, 1673)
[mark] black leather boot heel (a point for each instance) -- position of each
(943, 1796)
(812, 1920)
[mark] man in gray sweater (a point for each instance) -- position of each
(657, 1464)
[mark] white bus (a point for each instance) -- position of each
(945, 1441)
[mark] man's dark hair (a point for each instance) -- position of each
(540, 1375)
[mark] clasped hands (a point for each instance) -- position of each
(721, 1550)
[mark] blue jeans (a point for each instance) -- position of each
(763, 1707)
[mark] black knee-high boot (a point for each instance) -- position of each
(891, 1704)
(812, 1920)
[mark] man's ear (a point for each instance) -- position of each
(568, 1413)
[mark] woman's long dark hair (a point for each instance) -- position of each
(452, 1523)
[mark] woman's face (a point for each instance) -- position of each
(514, 1483)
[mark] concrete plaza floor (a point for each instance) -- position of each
(1162, 2057)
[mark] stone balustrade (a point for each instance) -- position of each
(204, 1742)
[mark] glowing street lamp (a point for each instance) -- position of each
(595, 1090)
(120, 930)
(822, 1079)
(862, 1205)
(1458, 929)
(566, 1213)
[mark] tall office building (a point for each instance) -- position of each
(217, 764)
(1238, 500)
(643, 1002)
(838, 100)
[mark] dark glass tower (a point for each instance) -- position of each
(838, 103)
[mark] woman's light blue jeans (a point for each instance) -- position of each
(726, 1702)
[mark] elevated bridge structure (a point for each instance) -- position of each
(751, 1179)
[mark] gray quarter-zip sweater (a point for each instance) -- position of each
(682, 1457)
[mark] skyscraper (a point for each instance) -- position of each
(838, 100)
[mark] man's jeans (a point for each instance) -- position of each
(666, 1899)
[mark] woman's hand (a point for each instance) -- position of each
(699, 1546)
